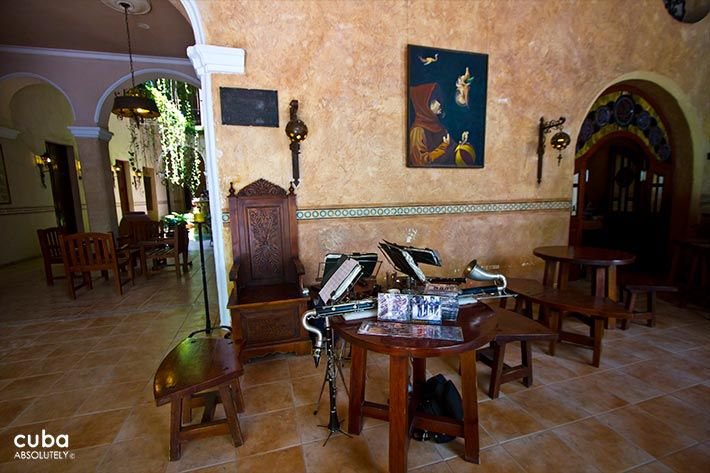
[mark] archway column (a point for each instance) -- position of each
(92, 146)
(209, 60)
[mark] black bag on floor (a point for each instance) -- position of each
(440, 398)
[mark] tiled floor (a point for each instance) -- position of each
(84, 368)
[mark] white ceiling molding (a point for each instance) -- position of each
(208, 59)
(8, 133)
(92, 55)
(90, 132)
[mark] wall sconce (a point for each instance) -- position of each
(559, 141)
(79, 175)
(137, 176)
(43, 162)
(296, 131)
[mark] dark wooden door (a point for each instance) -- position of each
(122, 178)
(60, 169)
(622, 201)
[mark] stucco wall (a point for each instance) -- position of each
(345, 62)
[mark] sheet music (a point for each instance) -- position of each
(344, 276)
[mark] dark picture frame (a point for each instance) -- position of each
(446, 108)
(5, 197)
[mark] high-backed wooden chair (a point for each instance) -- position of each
(50, 245)
(165, 246)
(268, 299)
(86, 252)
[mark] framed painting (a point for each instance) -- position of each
(446, 108)
(4, 186)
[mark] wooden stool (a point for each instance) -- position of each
(512, 327)
(195, 365)
(635, 284)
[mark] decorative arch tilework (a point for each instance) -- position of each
(424, 209)
(624, 111)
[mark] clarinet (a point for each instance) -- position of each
(318, 344)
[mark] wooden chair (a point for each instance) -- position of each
(86, 252)
(268, 299)
(183, 379)
(169, 245)
(50, 245)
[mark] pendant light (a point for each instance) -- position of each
(133, 103)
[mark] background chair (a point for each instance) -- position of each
(87, 252)
(50, 245)
(164, 246)
(268, 298)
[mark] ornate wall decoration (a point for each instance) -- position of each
(624, 111)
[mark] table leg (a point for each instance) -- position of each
(357, 389)
(548, 278)
(399, 413)
(612, 292)
(563, 276)
(470, 405)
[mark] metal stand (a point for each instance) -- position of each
(330, 374)
(208, 323)
(338, 355)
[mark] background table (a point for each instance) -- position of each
(478, 323)
(559, 258)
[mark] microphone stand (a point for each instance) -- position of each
(208, 322)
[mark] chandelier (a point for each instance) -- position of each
(133, 103)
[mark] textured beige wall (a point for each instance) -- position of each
(345, 62)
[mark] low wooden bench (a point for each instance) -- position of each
(184, 377)
(512, 327)
(637, 284)
(558, 304)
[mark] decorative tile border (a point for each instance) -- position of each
(26, 210)
(436, 209)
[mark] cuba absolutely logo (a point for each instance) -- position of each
(43, 446)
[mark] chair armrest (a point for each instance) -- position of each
(234, 272)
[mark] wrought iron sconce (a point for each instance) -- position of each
(296, 131)
(559, 141)
(43, 162)
(137, 176)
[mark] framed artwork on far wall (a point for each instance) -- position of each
(4, 186)
(446, 108)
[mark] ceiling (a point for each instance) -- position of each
(90, 25)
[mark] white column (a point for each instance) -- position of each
(209, 60)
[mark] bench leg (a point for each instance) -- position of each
(225, 393)
(651, 308)
(526, 362)
(598, 334)
(554, 321)
(496, 369)
(175, 419)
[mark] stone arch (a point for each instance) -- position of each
(685, 136)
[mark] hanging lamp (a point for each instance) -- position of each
(133, 103)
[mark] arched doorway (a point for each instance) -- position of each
(624, 178)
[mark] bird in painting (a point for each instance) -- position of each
(429, 60)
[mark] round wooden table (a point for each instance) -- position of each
(559, 258)
(478, 323)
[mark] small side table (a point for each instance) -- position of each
(192, 367)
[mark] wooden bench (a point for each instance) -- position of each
(512, 327)
(636, 284)
(183, 378)
(557, 304)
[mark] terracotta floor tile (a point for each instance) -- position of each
(94, 429)
(691, 420)
(697, 395)
(266, 432)
(340, 454)
(455, 448)
(646, 431)
(492, 460)
(546, 453)
(9, 410)
(53, 406)
(261, 372)
(267, 397)
(548, 406)
(310, 427)
(289, 459)
(653, 467)
(146, 420)
(307, 389)
(28, 387)
(661, 375)
(690, 460)
(441, 467)
(601, 446)
(110, 397)
(588, 395)
(204, 452)
(504, 420)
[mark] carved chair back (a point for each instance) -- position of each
(264, 234)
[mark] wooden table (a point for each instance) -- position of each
(559, 258)
(478, 323)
